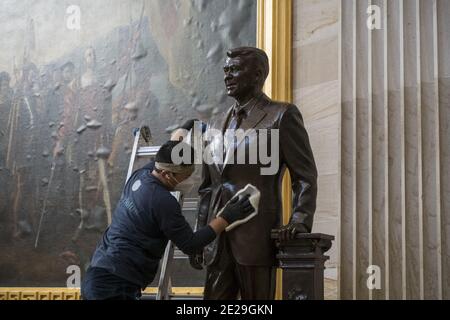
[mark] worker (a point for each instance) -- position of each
(147, 216)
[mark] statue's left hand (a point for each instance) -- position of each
(289, 231)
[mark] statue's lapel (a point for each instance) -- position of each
(216, 145)
(256, 115)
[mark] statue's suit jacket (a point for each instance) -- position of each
(250, 243)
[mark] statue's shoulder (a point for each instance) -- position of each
(279, 107)
(216, 120)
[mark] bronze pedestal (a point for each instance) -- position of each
(303, 262)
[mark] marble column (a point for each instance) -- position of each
(395, 149)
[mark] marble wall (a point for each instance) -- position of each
(70, 98)
(316, 93)
(394, 186)
(376, 105)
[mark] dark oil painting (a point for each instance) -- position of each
(76, 77)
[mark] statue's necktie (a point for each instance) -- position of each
(236, 119)
(234, 124)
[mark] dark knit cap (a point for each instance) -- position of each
(164, 154)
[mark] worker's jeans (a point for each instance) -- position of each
(100, 284)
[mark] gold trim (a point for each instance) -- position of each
(39, 294)
(274, 36)
(74, 294)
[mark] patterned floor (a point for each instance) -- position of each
(330, 289)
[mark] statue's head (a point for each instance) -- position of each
(246, 70)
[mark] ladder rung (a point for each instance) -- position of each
(190, 204)
(178, 254)
(147, 151)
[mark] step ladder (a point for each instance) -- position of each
(142, 136)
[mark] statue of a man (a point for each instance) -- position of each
(241, 262)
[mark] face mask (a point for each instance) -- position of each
(185, 186)
(171, 181)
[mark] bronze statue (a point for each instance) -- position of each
(241, 262)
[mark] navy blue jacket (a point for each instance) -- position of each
(146, 217)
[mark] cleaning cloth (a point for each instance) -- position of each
(255, 194)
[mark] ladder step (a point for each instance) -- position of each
(178, 254)
(147, 151)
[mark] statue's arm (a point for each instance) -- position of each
(204, 191)
(296, 153)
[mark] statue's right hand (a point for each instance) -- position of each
(196, 260)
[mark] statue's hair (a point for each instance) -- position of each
(258, 56)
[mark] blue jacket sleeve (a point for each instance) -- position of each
(150, 165)
(175, 227)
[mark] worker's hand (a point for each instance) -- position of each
(182, 131)
(237, 209)
(188, 125)
(196, 260)
(289, 231)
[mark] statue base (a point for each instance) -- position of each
(303, 262)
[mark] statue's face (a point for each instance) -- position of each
(240, 77)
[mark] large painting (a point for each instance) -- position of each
(75, 79)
